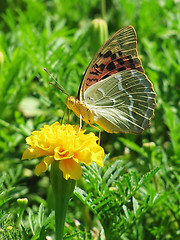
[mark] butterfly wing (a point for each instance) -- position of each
(117, 54)
(123, 102)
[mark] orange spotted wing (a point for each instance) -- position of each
(117, 54)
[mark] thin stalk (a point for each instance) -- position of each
(62, 190)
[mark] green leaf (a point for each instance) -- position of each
(135, 205)
(41, 215)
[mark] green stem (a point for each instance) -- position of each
(103, 8)
(62, 190)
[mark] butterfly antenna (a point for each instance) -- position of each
(59, 85)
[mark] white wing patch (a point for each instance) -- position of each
(123, 89)
(120, 82)
(101, 90)
(113, 100)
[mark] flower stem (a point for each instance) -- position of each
(62, 190)
(103, 9)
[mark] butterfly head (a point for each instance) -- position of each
(72, 103)
(80, 109)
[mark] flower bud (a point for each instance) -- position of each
(22, 202)
(99, 33)
(150, 146)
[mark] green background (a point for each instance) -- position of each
(60, 36)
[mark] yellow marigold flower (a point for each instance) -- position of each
(63, 143)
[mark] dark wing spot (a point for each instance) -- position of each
(105, 76)
(93, 73)
(131, 63)
(102, 66)
(120, 61)
(113, 56)
(120, 53)
(121, 69)
(107, 54)
(100, 54)
(111, 66)
(92, 79)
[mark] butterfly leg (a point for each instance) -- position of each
(84, 126)
(68, 116)
(80, 123)
(63, 115)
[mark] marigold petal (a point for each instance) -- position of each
(84, 156)
(88, 140)
(33, 152)
(39, 139)
(70, 169)
(91, 153)
(97, 156)
(43, 165)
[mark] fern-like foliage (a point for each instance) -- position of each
(118, 198)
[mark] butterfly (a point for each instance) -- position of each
(115, 93)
